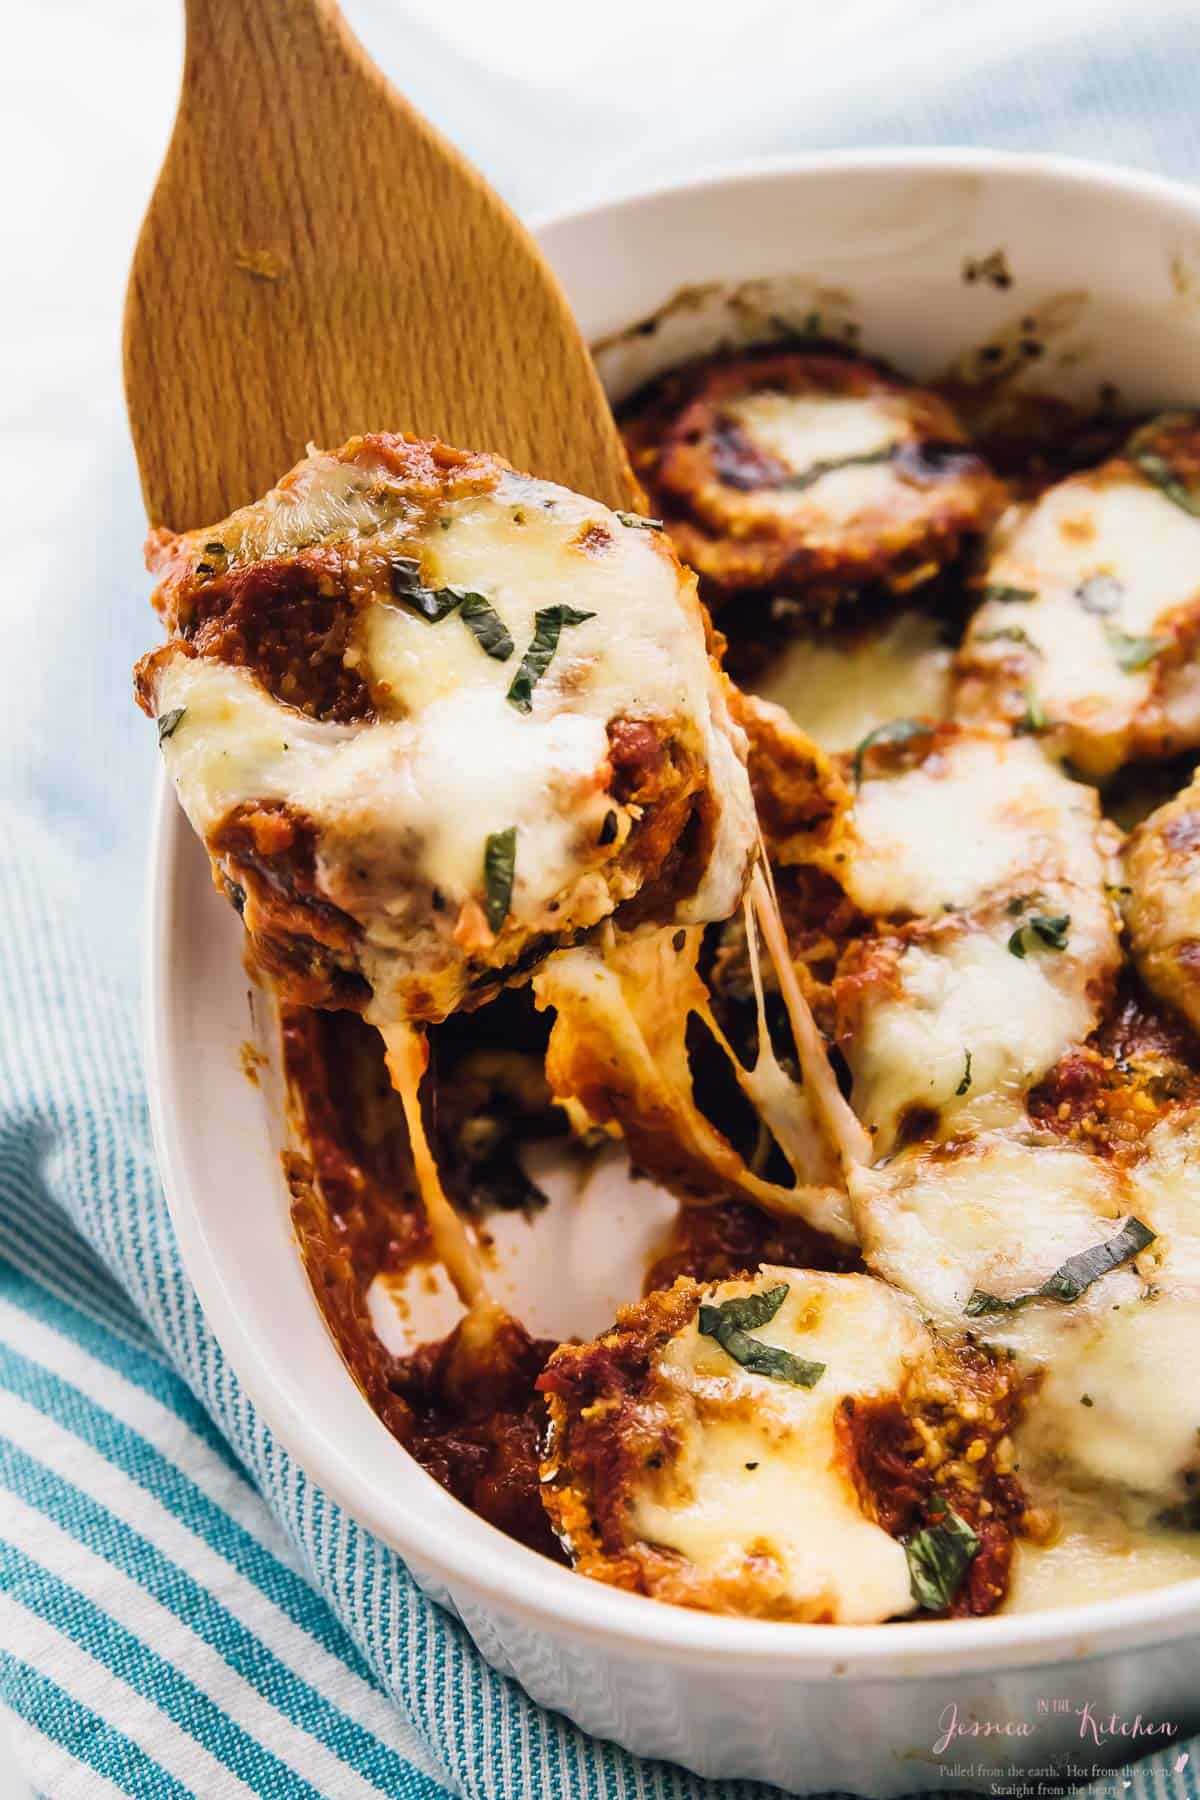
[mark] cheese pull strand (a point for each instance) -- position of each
(407, 1056)
(846, 1135)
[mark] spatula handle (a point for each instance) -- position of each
(317, 261)
(274, 47)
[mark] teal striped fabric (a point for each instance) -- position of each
(181, 1612)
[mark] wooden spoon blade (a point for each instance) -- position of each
(317, 261)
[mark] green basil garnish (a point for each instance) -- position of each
(731, 1321)
(1075, 1276)
(169, 722)
(499, 867)
(815, 471)
(1134, 653)
(897, 731)
(1005, 595)
(487, 627)
(637, 522)
(1164, 475)
(938, 1558)
(1012, 632)
(1049, 929)
(1033, 719)
(433, 604)
(964, 1085)
(547, 627)
(1101, 595)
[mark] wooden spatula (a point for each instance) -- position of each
(317, 261)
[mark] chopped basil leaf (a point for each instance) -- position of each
(1100, 594)
(547, 626)
(808, 477)
(168, 723)
(809, 331)
(748, 1311)
(608, 830)
(432, 603)
(636, 522)
(1006, 595)
(1033, 719)
(1049, 929)
(1163, 474)
(730, 1322)
(436, 604)
(1075, 1276)
(499, 866)
(215, 549)
(897, 731)
(484, 622)
(766, 1359)
(405, 576)
(1013, 633)
(1134, 653)
(964, 1085)
(938, 1558)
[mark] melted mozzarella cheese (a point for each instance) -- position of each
(997, 1215)
(619, 1050)
(406, 804)
(758, 1475)
(801, 429)
(324, 496)
(1105, 560)
(976, 839)
(1108, 1408)
(1167, 1189)
(1096, 1555)
(964, 991)
(983, 815)
(1142, 1428)
(377, 792)
(1068, 662)
(838, 692)
(1162, 868)
(1114, 1405)
(407, 1054)
(1095, 525)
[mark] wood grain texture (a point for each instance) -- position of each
(316, 261)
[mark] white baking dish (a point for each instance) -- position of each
(1108, 265)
